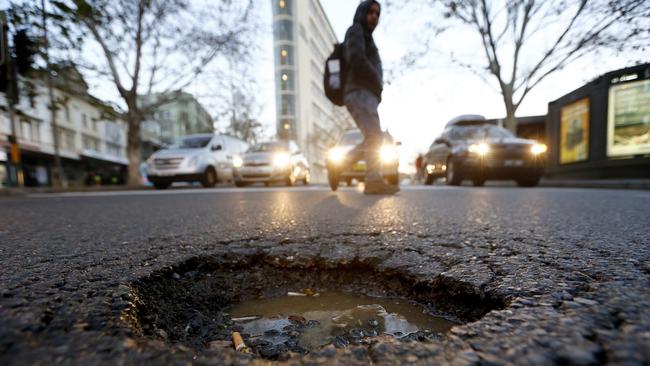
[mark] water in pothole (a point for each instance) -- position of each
(311, 322)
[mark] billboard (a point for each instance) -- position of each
(628, 120)
(574, 132)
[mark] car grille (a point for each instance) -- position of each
(256, 163)
(257, 175)
(509, 151)
(168, 163)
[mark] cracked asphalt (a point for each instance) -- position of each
(571, 266)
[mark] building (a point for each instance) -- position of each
(303, 39)
(602, 130)
(91, 134)
(180, 117)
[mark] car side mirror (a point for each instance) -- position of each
(217, 148)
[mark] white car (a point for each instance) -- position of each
(206, 158)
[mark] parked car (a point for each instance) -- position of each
(206, 158)
(271, 162)
(341, 167)
(471, 148)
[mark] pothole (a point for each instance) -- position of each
(280, 311)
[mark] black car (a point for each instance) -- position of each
(471, 148)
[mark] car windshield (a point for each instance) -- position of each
(351, 138)
(479, 132)
(268, 147)
(195, 142)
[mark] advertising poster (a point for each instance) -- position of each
(628, 122)
(574, 132)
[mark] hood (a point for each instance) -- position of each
(168, 153)
(258, 157)
(361, 16)
(499, 141)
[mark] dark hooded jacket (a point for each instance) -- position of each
(363, 64)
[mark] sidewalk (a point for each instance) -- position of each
(597, 183)
(19, 192)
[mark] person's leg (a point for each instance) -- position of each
(363, 105)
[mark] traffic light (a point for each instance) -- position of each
(25, 49)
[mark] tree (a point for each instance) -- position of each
(525, 41)
(146, 47)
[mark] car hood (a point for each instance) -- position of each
(258, 157)
(170, 153)
(501, 141)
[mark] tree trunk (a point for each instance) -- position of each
(133, 150)
(511, 122)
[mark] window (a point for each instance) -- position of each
(67, 113)
(66, 139)
(287, 105)
(90, 143)
(84, 120)
(282, 7)
(29, 131)
(283, 30)
(284, 55)
(286, 80)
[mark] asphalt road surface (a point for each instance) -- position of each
(556, 276)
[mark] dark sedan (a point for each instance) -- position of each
(479, 151)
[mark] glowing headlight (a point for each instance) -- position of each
(336, 155)
(388, 154)
(481, 149)
(193, 161)
(538, 149)
(237, 162)
(281, 160)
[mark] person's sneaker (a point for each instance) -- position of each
(379, 187)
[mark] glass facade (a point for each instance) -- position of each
(284, 56)
(283, 30)
(282, 7)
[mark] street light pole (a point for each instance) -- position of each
(57, 173)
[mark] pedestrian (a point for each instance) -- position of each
(419, 169)
(362, 91)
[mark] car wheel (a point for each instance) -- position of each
(348, 182)
(393, 179)
(240, 184)
(453, 178)
(267, 184)
(291, 180)
(209, 178)
(429, 179)
(529, 182)
(478, 182)
(161, 185)
(307, 180)
(333, 177)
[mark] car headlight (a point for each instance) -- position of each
(388, 154)
(480, 149)
(237, 162)
(281, 160)
(336, 155)
(194, 160)
(538, 149)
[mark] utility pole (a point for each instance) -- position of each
(58, 178)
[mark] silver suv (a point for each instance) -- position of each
(205, 158)
(271, 162)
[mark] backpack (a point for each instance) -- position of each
(334, 76)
